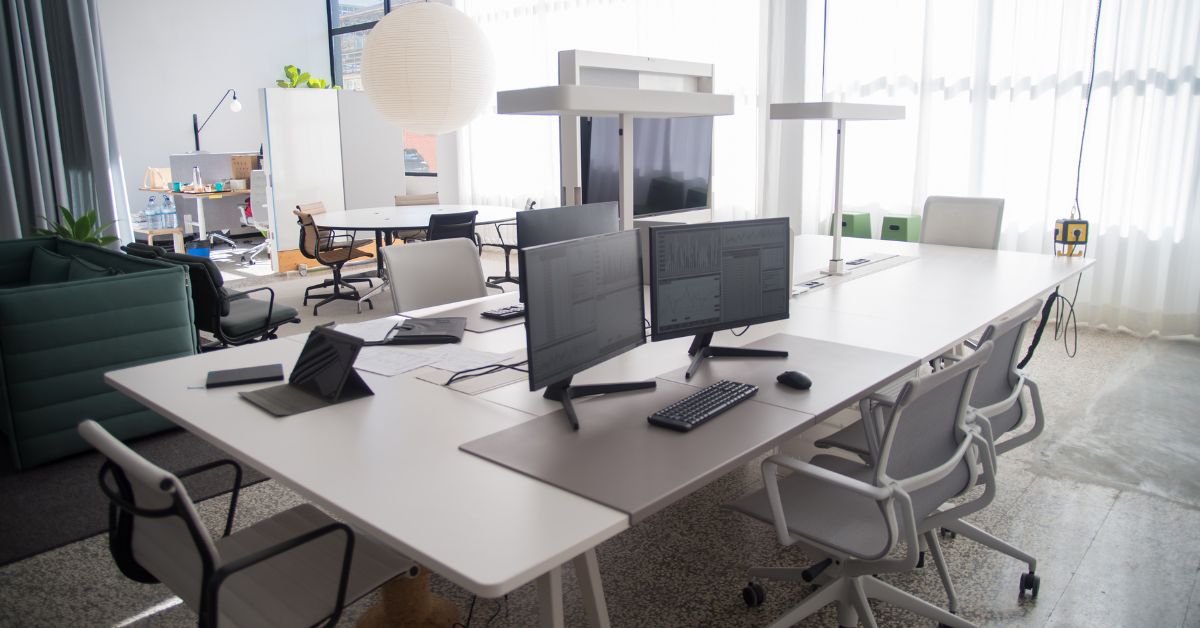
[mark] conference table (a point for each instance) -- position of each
(391, 465)
(384, 220)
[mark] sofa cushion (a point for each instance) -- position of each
(80, 270)
(46, 266)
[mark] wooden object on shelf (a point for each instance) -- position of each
(242, 165)
(156, 179)
(176, 234)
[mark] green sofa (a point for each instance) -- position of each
(69, 312)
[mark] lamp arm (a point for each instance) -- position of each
(214, 109)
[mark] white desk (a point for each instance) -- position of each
(391, 465)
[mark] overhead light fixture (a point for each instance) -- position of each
(235, 106)
(427, 68)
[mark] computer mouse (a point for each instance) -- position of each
(794, 379)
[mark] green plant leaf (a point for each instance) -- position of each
(303, 78)
(282, 83)
(84, 226)
(291, 71)
(67, 218)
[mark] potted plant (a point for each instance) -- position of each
(85, 228)
(294, 77)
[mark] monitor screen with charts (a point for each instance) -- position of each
(555, 224)
(714, 276)
(584, 304)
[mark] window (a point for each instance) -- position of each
(349, 23)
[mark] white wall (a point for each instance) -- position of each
(169, 59)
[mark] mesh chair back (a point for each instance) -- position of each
(924, 431)
(414, 282)
(998, 377)
(456, 225)
(310, 234)
(403, 200)
(962, 221)
(174, 549)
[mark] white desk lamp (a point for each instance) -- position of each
(840, 111)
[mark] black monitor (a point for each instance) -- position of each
(723, 275)
(584, 307)
(555, 224)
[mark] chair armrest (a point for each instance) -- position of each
(270, 302)
(208, 605)
(237, 485)
(771, 481)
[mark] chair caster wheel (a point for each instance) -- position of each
(947, 534)
(1030, 583)
(753, 594)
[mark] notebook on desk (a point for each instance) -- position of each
(423, 331)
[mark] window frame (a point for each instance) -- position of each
(335, 66)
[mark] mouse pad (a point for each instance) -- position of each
(841, 374)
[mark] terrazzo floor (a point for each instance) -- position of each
(1108, 500)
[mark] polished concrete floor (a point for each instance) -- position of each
(1108, 499)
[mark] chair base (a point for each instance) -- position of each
(337, 282)
(851, 593)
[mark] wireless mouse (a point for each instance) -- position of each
(794, 379)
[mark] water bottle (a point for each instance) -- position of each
(153, 219)
(169, 220)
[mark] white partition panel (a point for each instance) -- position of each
(303, 154)
(372, 153)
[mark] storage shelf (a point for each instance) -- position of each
(591, 100)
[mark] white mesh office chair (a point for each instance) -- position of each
(962, 221)
(856, 515)
(436, 272)
(999, 406)
(295, 568)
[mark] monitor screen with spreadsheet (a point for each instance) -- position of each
(583, 304)
(714, 276)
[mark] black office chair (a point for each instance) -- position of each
(508, 246)
(233, 318)
(456, 225)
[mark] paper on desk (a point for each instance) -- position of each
(455, 357)
(371, 331)
(389, 361)
(480, 383)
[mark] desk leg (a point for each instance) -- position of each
(379, 254)
(203, 235)
(587, 571)
(550, 599)
(177, 240)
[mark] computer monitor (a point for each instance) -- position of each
(584, 307)
(555, 224)
(713, 276)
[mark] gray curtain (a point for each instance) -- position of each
(59, 145)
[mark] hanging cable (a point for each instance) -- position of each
(1076, 210)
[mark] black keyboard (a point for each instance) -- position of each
(702, 405)
(506, 312)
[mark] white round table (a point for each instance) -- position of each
(384, 220)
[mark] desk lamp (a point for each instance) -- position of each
(234, 106)
(841, 112)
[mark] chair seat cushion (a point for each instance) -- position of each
(247, 316)
(835, 517)
(298, 587)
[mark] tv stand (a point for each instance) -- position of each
(564, 392)
(702, 349)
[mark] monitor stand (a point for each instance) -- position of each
(701, 349)
(564, 392)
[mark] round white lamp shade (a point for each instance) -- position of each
(427, 68)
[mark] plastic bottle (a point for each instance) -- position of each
(169, 219)
(153, 218)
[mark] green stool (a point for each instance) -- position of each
(854, 225)
(903, 228)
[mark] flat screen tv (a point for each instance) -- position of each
(672, 163)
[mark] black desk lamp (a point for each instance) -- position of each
(234, 106)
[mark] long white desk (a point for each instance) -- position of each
(391, 466)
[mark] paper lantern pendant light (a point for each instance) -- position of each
(427, 68)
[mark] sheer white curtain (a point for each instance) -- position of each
(506, 159)
(995, 93)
